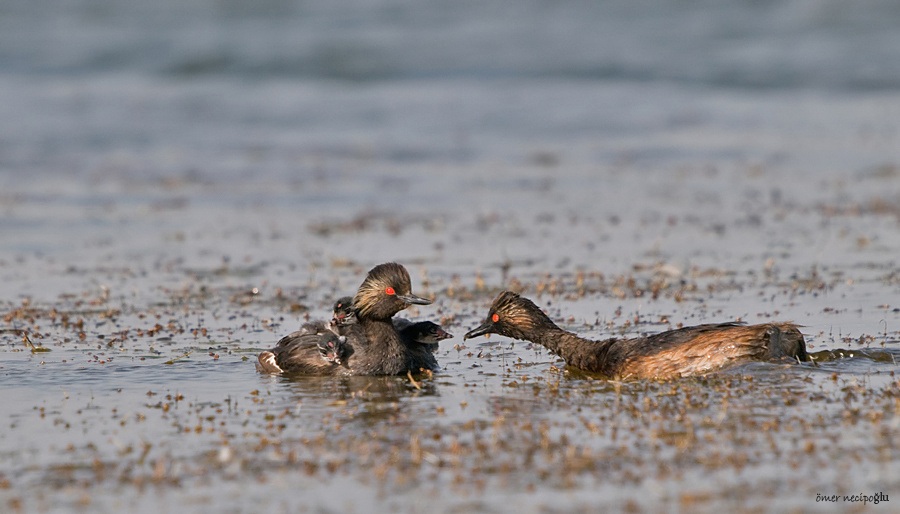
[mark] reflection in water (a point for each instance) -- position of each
(886, 355)
(377, 389)
(364, 400)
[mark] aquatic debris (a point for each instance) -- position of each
(185, 355)
(30, 345)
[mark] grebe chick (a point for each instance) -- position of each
(421, 332)
(331, 349)
(334, 350)
(421, 340)
(307, 351)
(428, 333)
(343, 314)
(676, 353)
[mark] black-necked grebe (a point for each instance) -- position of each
(413, 334)
(423, 332)
(676, 353)
(371, 346)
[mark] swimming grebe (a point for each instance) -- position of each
(385, 292)
(419, 332)
(419, 338)
(676, 353)
(371, 346)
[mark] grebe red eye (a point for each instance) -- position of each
(390, 291)
(495, 318)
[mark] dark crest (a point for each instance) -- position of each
(513, 316)
(386, 291)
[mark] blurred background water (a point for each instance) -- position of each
(228, 89)
(768, 45)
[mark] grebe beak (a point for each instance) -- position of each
(485, 328)
(413, 299)
(443, 334)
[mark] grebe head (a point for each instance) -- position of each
(386, 291)
(426, 332)
(511, 315)
(344, 312)
(333, 348)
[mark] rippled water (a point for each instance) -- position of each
(148, 398)
(181, 185)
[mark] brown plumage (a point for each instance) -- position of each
(676, 353)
